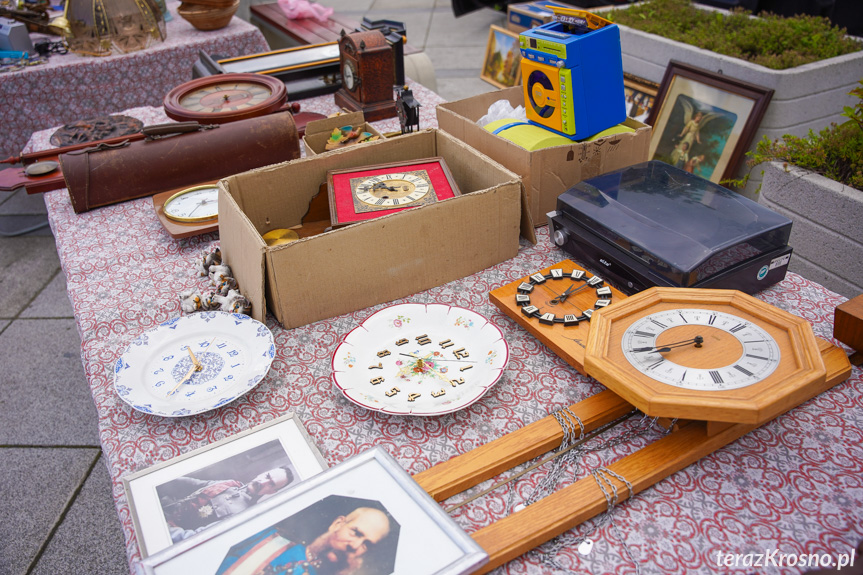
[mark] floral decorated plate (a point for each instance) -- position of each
(194, 363)
(417, 359)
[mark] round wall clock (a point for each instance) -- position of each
(225, 98)
(417, 359)
(556, 305)
(359, 194)
(710, 355)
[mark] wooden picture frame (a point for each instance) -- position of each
(281, 443)
(703, 122)
(640, 96)
(414, 534)
(502, 64)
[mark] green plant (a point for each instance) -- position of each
(770, 40)
(835, 152)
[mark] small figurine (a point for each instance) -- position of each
(408, 110)
(218, 273)
(234, 302)
(227, 285)
(191, 301)
(209, 259)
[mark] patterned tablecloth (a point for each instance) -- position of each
(73, 87)
(794, 486)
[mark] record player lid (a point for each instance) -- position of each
(666, 215)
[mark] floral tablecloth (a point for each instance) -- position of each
(793, 486)
(72, 87)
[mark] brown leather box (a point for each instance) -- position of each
(104, 175)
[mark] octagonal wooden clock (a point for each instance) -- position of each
(366, 62)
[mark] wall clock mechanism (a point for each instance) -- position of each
(719, 362)
(556, 305)
(359, 194)
(366, 64)
(225, 98)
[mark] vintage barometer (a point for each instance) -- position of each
(556, 305)
(710, 355)
(367, 68)
(359, 194)
(417, 359)
(225, 98)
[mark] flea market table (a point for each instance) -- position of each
(72, 87)
(793, 486)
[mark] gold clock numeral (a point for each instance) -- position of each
(402, 341)
(423, 339)
(461, 353)
(376, 380)
(413, 396)
(446, 343)
(439, 393)
(465, 368)
(392, 392)
(378, 366)
(383, 353)
(459, 381)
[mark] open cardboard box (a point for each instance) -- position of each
(549, 172)
(351, 268)
(318, 132)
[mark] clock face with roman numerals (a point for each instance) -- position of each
(674, 347)
(393, 190)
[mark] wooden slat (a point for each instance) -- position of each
(464, 471)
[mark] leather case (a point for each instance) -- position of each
(176, 155)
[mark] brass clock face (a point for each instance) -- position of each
(674, 347)
(196, 204)
(704, 354)
(392, 190)
(225, 98)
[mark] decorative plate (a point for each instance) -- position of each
(194, 363)
(417, 359)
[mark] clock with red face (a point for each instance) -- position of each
(225, 98)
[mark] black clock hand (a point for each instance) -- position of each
(569, 291)
(434, 359)
(697, 340)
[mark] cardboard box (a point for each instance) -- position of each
(549, 172)
(318, 132)
(526, 15)
(377, 261)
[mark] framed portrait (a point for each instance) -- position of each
(502, 65)
(178, 498)
(365, 516)
(640, 96)
(704, 122)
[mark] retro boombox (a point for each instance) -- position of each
(572, 73)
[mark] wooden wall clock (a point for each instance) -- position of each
(366, 63)
(556, 305)
(360, 194)
(225, 98)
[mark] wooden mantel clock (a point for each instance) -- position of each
(719, 361)
(366, 63)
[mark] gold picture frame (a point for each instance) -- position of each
(502, 64)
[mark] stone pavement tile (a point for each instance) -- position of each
(37, 484)
(52, 301)
(26, 265)
(20, 202)
(90, 538)
(454, 88)
(468, 30)
(416, 5)
(45, 399)
(3, 324)
(24, 225)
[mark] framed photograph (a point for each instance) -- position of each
(502, 66)
(178, 498)
(704, 122)
(640, 96)
(365, 516)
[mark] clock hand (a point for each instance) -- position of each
(569, 291)
(697, 340)
(186, 377)
(197, 363)
(426, 359)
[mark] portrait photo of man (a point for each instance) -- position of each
(196, 501)
(337, 535)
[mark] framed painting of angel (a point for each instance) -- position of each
(704, 122)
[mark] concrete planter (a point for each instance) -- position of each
(827, 235)
(809, 96)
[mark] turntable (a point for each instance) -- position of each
(652, 224)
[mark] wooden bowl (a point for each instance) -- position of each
(205, 17)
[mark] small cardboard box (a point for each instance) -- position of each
(318, 132)
(549, 172)
(351, 268)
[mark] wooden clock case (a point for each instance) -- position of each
(371, 59)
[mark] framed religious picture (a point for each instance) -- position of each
(365, 516)
(175, 499)
(502, 65)
(640, 96)
(704, 122)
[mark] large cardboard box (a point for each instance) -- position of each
(377, 261)
(549, 172)
(318, 131)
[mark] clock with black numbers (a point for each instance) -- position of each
(415, 359)
(704, 354)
